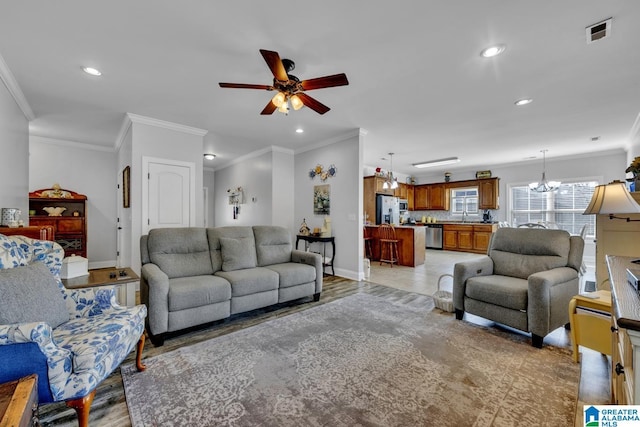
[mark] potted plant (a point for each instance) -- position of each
(634, 168)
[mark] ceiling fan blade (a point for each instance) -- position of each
(327, 81)
(275, 64)
(245, 86)
(268, 109)
(315, 105)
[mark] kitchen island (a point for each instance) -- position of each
(411, 245)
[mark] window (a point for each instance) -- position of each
(557, 209)
(464, 200)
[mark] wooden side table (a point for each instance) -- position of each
(326, 262)
(590, 320)
(106, 277)
(19, 402)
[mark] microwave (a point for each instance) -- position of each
(403, 205)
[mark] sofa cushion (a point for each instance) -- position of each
(196, 291)
(509, 292)
(292, 274)
(520, 252)
(180, 252)
(273, 244)
(214, 235)
(250, 280)
(237, 254)
(30, 293)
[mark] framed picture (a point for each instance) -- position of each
(483, 174)
(321, 199)
(126, 186)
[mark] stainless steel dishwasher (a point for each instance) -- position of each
(433, 236)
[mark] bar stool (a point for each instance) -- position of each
(388, 244)
(368, 251)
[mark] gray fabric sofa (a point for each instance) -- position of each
(526, 281)
(192, 276)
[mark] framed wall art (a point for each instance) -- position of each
(322, 199)
(126, 187)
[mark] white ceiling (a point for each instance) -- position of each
(418, 85)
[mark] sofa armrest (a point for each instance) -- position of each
(549, 294)
(465, 270)
(313, 259)
(154, 291)
(58, 359)
(86, 302)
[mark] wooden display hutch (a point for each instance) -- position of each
(71, 226)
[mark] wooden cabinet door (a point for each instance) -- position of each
(410, 195)
(421, 197)
(465, 239)
(481, 241)
(449, 240)
(380, 187)
(369, 199)
(438, 197)
(488, 193)
(401, 191)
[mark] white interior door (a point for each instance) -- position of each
(170, 194)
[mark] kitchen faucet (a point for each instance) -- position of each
(464, 215)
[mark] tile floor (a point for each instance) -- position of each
(595, 369)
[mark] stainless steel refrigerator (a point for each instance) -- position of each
(387, 210)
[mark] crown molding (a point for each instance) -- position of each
(135, 118)
(358, 132)
(126, 125)
(254, 154)
(70, 144)
(14, 89)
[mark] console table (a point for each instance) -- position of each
(326, 262)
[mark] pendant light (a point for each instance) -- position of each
(391, 182)
(544, 186)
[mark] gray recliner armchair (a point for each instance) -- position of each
(526, 281)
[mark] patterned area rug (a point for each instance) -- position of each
(360, 360)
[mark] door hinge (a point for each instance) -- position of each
(148, 221)
(117, 253)
(148, 175)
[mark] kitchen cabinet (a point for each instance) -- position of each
(411, 249)
(379, 185)
(467, 237)
(410, 191)
(401, 191)
(70, 228)
(488, 193)
(431, 197)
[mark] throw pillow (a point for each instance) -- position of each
(237, 253)
(30, 293)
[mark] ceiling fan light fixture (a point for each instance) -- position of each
(523, 101)
(296, 102)
(439, 162)
(278, 99)
(92, 71)
(209, 156)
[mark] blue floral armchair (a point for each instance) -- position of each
(73, 358)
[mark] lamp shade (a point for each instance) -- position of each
(612, 198)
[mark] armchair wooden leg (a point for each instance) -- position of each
(82, 406)
(536, 341)
(139, 365)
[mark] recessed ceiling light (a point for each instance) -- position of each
(92, 71)
(492, 51)
(524, 101)
(299, 130)
(209, 156)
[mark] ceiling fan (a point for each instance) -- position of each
(290, 88)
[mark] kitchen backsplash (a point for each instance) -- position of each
(443, 216)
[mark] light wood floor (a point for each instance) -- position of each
(109, 407)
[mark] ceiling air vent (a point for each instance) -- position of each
(598, 31)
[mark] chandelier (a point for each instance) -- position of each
(391, 182)
(544, 186)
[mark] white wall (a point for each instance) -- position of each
(88, 171)
(255, 174)
(346, 197)
(163, 140)
(282, 188)
(14, 157)
(208, 182)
